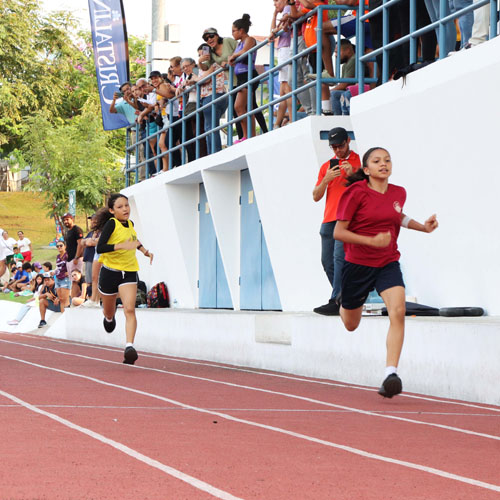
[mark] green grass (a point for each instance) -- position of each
(21, 300)
(25, 211)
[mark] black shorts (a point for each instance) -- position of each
(358, 281)
(111, 279)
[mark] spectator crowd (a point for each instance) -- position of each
(158, 104)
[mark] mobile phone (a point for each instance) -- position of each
(119, 94)
(205, 51)
(334, 162)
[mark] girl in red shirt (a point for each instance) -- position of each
(369, 217)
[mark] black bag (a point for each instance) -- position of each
(159, 120)
(413, 309)
(158, 296)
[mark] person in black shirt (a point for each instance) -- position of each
(72, 237)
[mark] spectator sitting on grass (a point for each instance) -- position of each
(78, 292)
(47, 267)
(36, 286)
(29, 269)
(21, 277)
(48, 298)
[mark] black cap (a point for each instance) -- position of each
(337, 136)
(154, 73)
(90, 216)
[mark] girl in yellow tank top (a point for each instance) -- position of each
(117, 249)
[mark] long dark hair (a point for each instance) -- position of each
(103, 214)
(244, 23)
(360, 175)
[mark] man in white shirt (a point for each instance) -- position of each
(25, 247)
(4, 252)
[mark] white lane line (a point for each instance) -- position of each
(246, 410)
(269, 374)
(349, 449)
(192, 481)
(275, 393)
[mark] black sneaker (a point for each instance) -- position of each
(391, 386)
(42, 323)
(130, 355)
(330, 309)
(109, 326)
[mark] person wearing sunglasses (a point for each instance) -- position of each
(331, 180)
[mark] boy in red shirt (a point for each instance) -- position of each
(331, 179)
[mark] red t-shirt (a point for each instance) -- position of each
(369, 213)
(336, 187)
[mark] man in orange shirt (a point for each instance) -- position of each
(331, 179)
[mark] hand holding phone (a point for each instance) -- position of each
(334, 163)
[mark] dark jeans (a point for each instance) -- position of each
(332, 256)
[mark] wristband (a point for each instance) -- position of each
(405, 221)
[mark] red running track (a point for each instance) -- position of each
(78, 424)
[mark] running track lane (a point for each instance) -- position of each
(274, 437)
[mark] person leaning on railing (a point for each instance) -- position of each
(245, 43)
(206, 93)
(284, 54)
(221, 49)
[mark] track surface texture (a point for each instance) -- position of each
(79, 424)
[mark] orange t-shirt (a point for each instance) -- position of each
(336, 187)
(311, 24)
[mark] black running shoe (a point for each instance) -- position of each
(42, 323)
(109, 326)
(330, 309)
(130, 355)
(391, 386)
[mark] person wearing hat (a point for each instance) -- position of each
(72, 237)
(48, 298)
(331, 180)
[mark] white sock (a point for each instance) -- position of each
(108, 320)
(129, 344)
(389, 370)
(326, 105)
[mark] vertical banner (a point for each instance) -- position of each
(110, 42)
(72, 202)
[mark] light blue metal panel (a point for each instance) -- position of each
(213, 286)
(258, 289)
(374, 298)
(223, 295)
(270, 297)
(208, 255)
(251, 251)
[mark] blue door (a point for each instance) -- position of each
(258, 290)
(213, 288)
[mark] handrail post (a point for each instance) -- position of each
(170, 132)
(127, 157)
(360, 49)
(249, 95)
(197, 118)
(211, 137)
(271, 85)
(137, 159)
(442, 30)
(319, 58)
(230, 107)
(413, 27)
(385, 41)
(183, 129)
(493, 19)
(294, 72)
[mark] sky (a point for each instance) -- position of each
(138, 14)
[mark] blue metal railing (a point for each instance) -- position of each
(267, 77)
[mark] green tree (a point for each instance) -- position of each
(75, 155)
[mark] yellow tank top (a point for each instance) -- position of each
(122, 260)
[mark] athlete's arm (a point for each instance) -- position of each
(342, 233)
(427, 227)
(107, 231)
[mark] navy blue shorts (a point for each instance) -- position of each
(358, 281)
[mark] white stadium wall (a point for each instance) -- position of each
(441, 128)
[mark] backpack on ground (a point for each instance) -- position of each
(158, 296)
